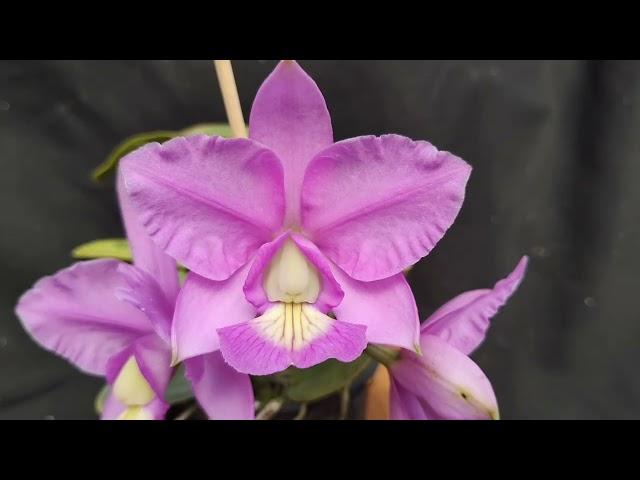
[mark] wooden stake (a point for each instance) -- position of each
(227, 82)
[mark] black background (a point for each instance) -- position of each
(555, 151)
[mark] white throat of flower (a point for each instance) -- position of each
(132, 389)
(293, 284)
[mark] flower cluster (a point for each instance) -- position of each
(295, 247)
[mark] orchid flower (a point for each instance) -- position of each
(113, 319)
(444, 383)
(296, 245)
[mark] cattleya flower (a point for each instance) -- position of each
(296, 245)
(113, 319)
(444, 383)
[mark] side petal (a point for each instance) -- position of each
(463, 321)
(208, 202)
(447, 382)
(146, 254)
(222, 392)
(289, 115)
(376, 205)
(289, 334)
(404, 405)
(75, 313)
(203, 306)
(143, 292)
(386, 307)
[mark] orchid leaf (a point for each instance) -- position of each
(179, 388)
(101, 398)
(136, 141)
(104, 248)
(314, 383)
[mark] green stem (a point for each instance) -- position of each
(381, 355)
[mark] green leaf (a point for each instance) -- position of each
(101, 398)
(127, 146)
(179, 388)
(136, 141)
(322, 380)
(104, 248)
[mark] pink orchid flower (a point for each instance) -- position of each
(444, 383)
(296, 244)
(113, 319)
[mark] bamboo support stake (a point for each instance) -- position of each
(229, 90)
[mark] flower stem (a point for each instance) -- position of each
(230, 97)
(381, 355)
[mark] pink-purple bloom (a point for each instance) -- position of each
(444, 383)
(113, 319)
(296, 245)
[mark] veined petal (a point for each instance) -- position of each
(386, 307)
(330, 292)
(404, 405)
(208, 202)
(203, 306)
(289, 334)
(289, 115)
(447, 382)
(463, 321)
(143, 292)
(75, 313)
(376, 205)
(146, 254)
(222, 392)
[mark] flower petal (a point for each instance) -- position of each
(376, 205)
(447, 382)
(144, 293)
(146, 254)
(289, 115)
(330, 292)
(386, 307)
(208, 202)
(404, 405)
(114, 409)
(222, 392)
(75, 313)
(281, 338)
(203, 306)
(463, 321)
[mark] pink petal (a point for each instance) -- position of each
(447, 382)
(376, 205)
(75, 313)
(463, 321)
(289, 115)
(203, 306)
(330, 295)
(386, 307)
(146, 254)
(208, 202)
(246, 348)
(144, 293)
(404, 405)
(222, 392)
(113, 408)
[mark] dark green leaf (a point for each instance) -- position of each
(322, 380)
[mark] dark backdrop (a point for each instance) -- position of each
(554, 146)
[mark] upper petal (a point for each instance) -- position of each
(146, 254)
(386, 307)
(289, 115)
(448, 383)
(376, 205)
(76, 314)
(222, 392)
(208, 202)
(203, 306)
(463, 321)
